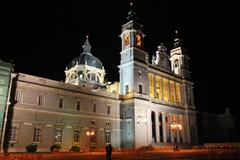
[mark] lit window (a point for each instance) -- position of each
(178, 93)
(126, 40)
(76, 136)
(108, 137)
(13, 134)
(40, 99)
(165, 89)
(138, 40)
(172, 91)
(151, 85)
(58, 135)
(159, 87)
(37, 134)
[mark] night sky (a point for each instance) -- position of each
(43, 37)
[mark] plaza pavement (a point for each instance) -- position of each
(149, 155)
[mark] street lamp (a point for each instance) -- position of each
(176, 126)
(90, 133)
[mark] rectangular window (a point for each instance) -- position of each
(60, 103)
(127, 89)
(58, 135)
(94, 107)
(78, 107)
(108, 137)
(140, 88)
(40, 99)
(37, 134)
(18, 96)
(172, 91)
(159, 87)
(165, 90)
(178, 93)
(151, 85)
(13, 134)
(76, 136)
(108, 110)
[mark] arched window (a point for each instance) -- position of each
(176, 63)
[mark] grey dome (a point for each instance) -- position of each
(88, 59)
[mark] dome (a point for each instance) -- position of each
(88, 59)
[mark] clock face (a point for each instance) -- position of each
(138, 40)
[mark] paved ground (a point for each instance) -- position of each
(180, 155)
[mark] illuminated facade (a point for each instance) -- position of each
(152, 104)
(157, 104)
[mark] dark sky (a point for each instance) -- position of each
(43, 37)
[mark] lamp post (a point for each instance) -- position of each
(90, 134)
(175, 127)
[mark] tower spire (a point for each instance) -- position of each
(131, 13)
(86, 46)
(177, 40)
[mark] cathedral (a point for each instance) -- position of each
(152, 104)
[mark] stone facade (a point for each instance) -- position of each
(49, 112)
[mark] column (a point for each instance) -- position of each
(171, 131)
(183, 128)
(187, 128)
(162, 89)
(178, 132)
(149, 127)
(164, 128)
(157, 126)
(154, 88)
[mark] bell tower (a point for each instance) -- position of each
(132, 53)
(179, 59)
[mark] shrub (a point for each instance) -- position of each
(32, 148)
(75, 148)
(55, 147)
